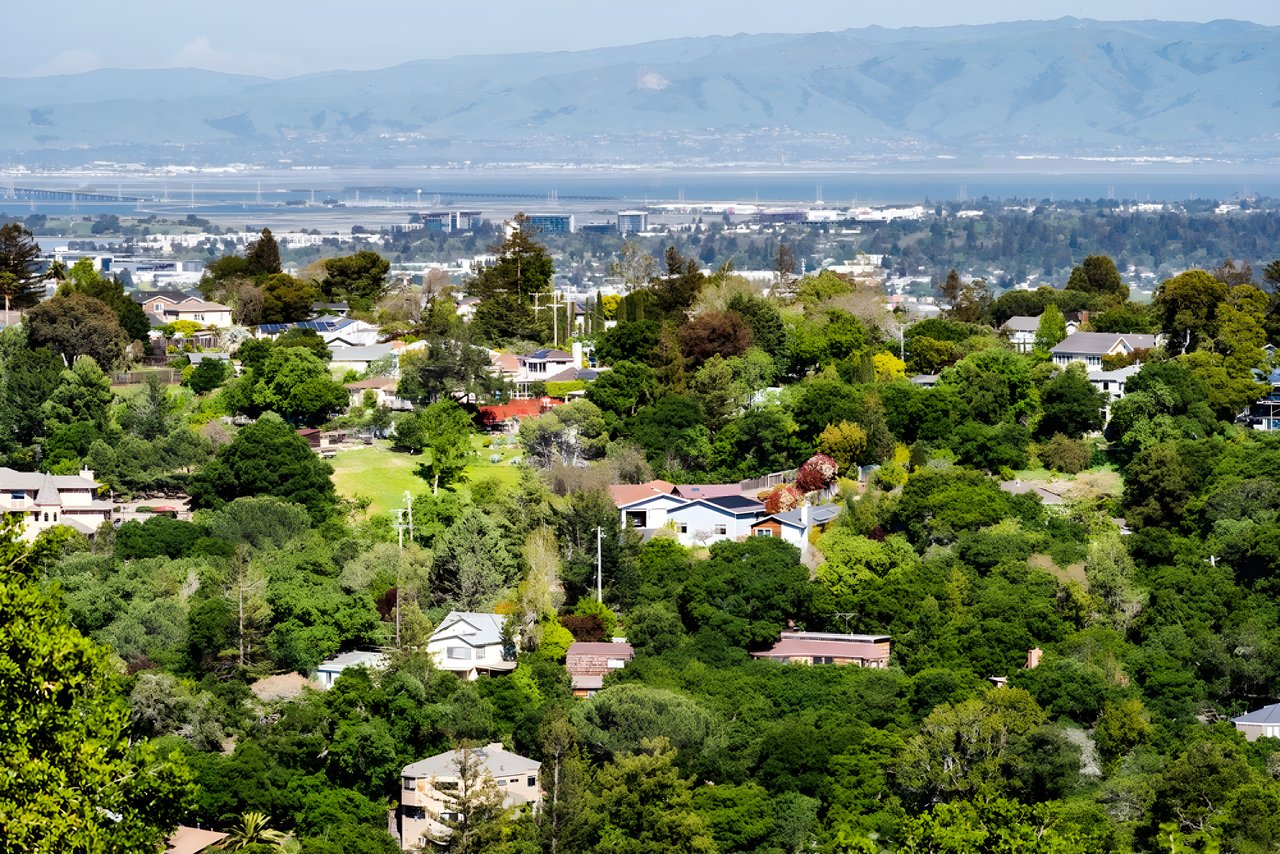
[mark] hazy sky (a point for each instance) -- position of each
(279, 38)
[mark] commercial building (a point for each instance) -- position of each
(633, 222)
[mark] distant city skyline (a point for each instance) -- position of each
(282, 38)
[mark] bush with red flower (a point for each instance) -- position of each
(782, 499)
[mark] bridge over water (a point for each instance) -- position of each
(36, 194)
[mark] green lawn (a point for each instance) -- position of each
(382, 475)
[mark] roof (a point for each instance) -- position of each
(925, 379)
(505, 361)
(48, 494)
(33, 481)
(1265, 715)
(167, 294)
(496, 760)
(524, 408)
(616, 650)
(197, 358)
(1018, 487)
(191, 840)
(568, 375)
(471, 627)
(372, 382)
(737, 503)
(548, 354)
(1101, 343)
(629, 493)
(198, 305)
(1116, 375)
(808, 644)
(1021, 323)
(370, 352)
(708, 490)
(356, 658)
(820, 515)
(586, 681)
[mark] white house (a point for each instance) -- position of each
(209, 314)
(333, 330)
(358, 359)
(45, 500)
(1090, 347)
(329, 671)
(1022, 331)
(647, 514)
(470, 644)
(709, 520)
(428, 790)
(1263, 723)
(795, 526)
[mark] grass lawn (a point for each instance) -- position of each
(382, 475)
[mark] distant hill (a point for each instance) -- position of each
(1055, 87)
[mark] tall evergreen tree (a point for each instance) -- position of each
(20, 259)
(262, 256)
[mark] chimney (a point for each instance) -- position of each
(577, 354)
(1033, 657)
(86, 473)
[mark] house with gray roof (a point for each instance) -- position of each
(428, 788)
(470, 643)
(330, 669)
(1021, 331)
(1090, 347)
(794, 526)
(44, 500)
(1263, 723)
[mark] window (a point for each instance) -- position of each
(17, 496)
(533, 781)
(763, 532)
(684, 527)
(46, 516)
(414, 812)
(410, 784)
(502, 783)
(461, 653)
(722, 530)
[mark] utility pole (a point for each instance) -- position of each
(599, 565)
(399, 525)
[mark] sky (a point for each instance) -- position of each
(281, 38)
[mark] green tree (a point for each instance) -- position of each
(286, 299)
(20, 259)
(447, 446)
(267, 457)
(262, 256)
(472, 562)
(844, 443)
(1188, 308)
(73, 780)
(1052, 328)
(251, 830)
(966, 301)
(1097, 274)
(624, 389)
(208, 375)
(296, 385)
(85, 280)
(748, 609)
(360, 279)
(507, 288)
(1071, 404)
(643, 806)
(78, 325)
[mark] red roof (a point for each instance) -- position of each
(497, 413)
(626, 493)
(615, 650)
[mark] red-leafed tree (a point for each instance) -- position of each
(817, 473)
(783, 498)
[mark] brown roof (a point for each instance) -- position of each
(616, 650)
(191, 840)
(627, 493)
(373, 382)
(869, 647)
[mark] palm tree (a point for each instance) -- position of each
(253, 828)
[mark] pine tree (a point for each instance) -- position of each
(19, 259)
(263, 255)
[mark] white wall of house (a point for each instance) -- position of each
(649, 513)
(702, 524)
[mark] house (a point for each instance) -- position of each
(384, 393)
(155, 302)
(709, 520)
(650, 512)
(589, 663)
(426, 787)
(1111, 383)
(694, 491)
(335, 331)
(207, 314)
(45, 500)
(830, 648)
(1090, 347)
(470, 644)
(358, 358)
(541, 366)
(329, 670)
(925, 380)
(1263, 723)
(626, 493)
(192, 840)
(795, 526)
(1022, 330)
(1265, 413)
(12, 317)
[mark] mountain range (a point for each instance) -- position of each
(1064, 87)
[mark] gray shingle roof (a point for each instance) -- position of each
(1021, 323)
(1265, 715)
(1100, 343)
(497, 761)
(471, 628)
